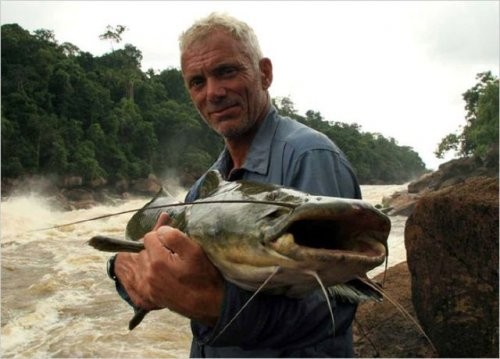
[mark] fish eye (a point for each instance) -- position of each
(272, 196)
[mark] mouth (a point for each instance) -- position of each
(335, 236)
(362, 237)
(223, 111)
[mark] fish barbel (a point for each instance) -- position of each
(255, 232)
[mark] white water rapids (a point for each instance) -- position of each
(57, 301)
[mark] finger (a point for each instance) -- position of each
(163, 219)
(126, 272)
(177, 241)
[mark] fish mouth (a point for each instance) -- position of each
(355, 234)
(330, 235)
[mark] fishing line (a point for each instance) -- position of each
(279, 204)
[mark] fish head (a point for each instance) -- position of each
(259, 227)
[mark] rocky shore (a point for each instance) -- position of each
(450, 280)
(382, 331)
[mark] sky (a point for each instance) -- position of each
(398, 68)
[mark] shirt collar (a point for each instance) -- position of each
(260, 150)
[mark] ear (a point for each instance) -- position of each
(266, 72)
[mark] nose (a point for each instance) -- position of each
(215, 90)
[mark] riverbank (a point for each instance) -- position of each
(381, 330)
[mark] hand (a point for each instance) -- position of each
(172, 272)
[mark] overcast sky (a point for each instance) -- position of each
(398, 68)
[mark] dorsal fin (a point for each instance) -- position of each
(210, 183)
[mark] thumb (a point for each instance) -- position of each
(163, 219)
(177, 241)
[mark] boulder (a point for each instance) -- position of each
(150, 185)
(71, 181)
(98, 182)
(457, 171)
(451, 240)
(121, 186)
(77, 194)
(400, 203)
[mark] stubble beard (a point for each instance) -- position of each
(243, 128)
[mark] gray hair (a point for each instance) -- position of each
(238, 29)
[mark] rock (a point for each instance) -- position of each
(98, 182)
(400, 203)
(425, 183)
(150, 185)
(121, 186)
(77, 194)
(457, 171)
(451, 240)
(381, 330)
(72, 181)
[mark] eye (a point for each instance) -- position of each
(196, 82)
(272, 196)
(226, 71)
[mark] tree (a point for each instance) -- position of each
(113, 34)
(480, 133)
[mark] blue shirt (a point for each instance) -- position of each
(288, 153)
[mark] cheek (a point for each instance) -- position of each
(198, 100)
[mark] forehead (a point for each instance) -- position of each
(208, 52)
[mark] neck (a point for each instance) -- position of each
(238, 147)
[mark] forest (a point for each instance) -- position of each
(66, 112)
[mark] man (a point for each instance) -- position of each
(228, 80)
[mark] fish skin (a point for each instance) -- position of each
(246, 241)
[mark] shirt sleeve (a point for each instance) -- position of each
(325, 173)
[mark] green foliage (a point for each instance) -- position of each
(480, 134)
(66, 112)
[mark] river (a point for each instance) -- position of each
(57, 301)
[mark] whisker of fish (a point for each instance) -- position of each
(318, 279)
(401, 309)
(276, 270)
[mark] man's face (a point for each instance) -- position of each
(226, 88)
